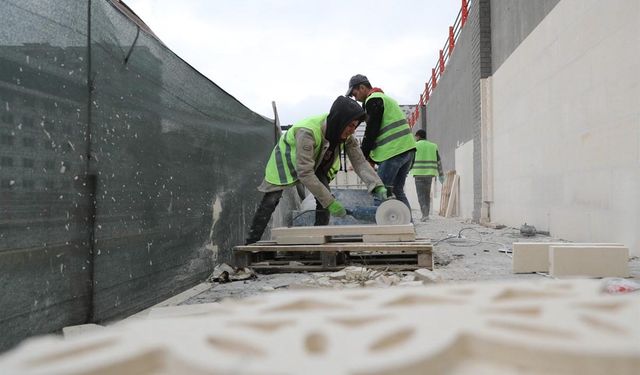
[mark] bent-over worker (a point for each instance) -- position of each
(307, 153)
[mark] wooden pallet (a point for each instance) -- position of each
(329, 256)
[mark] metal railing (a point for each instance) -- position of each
(443, 59)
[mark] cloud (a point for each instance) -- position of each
(301, 54)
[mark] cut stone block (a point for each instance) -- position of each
(591, 261)
(342, 230)
(301, 240)
(531, 257)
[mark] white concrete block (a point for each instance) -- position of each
(534, 256)
(592, 261)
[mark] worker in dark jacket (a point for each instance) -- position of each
(426, 166)
(307, 153)
(387, 138)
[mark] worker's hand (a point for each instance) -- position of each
(336, 209)
(441, 179)
(380, 192)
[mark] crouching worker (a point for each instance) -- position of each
(306, 153)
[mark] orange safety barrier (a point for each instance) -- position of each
(443, 58)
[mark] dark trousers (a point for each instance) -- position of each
(262, 216)
(268, 205)
(423, 189)
(393, 173)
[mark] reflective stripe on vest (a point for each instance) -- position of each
(426, 161)
(280, 169)
(335, 167)
(395, 135)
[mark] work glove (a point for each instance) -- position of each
(441, 179)
(336, 209)
(380, 193)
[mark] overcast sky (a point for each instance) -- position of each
(302, 53)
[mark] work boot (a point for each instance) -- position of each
(424, 219)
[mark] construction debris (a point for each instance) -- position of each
(358, 277)
(617, 285)
(224, 273)
(527, 230)
(428, 276)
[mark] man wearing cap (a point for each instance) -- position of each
(307, 153)
(426, 166)
(387, 138)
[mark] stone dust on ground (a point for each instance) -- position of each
(463, 251)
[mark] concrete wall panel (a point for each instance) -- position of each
(511, 23)
(567, 133)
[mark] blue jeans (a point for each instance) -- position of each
(393, 172)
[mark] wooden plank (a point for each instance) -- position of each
(340, 230)
(425, 259)
(328, 258)
(452, 201)
(446, 192)
(342, 246)
(388, 237)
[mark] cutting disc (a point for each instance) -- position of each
(393, 212)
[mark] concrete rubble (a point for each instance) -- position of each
(358, 277)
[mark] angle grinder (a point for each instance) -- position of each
(389, 212)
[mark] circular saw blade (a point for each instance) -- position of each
(393, 212)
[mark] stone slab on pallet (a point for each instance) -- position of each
(342, 230)
(543, 327)
(321, 234)
(531, 257)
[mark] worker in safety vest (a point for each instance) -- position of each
(307, 153)
(387, 139)
(426, 166)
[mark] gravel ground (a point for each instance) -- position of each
(480, 253)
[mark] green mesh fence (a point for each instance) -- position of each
(124, 173)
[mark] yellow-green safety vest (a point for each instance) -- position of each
(395, 135)
(280, 169)
(426, 162)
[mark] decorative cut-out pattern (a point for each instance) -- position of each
(558, 327)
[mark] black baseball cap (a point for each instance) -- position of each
(355, 81)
